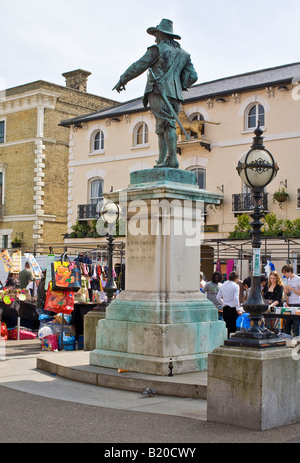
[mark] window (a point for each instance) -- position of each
(201, 176)
(1, 188)
(98, 141)
(255, 113)
(4, 241)
(141, 134)
(96, 191)
(2, 131)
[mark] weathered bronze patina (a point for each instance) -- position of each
(170, 72)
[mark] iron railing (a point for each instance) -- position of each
(244, 202)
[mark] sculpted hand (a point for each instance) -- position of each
(119, 87)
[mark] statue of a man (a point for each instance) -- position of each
(170, 72)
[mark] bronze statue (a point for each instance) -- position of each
(170, 72)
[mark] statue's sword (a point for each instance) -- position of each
(166, 100)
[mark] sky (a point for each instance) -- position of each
(41, 39)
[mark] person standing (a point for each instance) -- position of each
(228, 297)
(170, 73)
(25, 276)
(212, 288)
(292, 291)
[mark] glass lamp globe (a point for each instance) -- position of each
(257, 168)
(110, 212)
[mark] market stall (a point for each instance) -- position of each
(26, 312)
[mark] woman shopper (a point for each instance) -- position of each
(228, 297)
(273, 294)
(273, 291)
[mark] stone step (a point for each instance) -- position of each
(75, 366)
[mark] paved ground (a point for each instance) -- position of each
(39, 407)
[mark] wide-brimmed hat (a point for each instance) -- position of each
(165, 26)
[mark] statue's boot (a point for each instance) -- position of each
(171, 140)
(173, 163)
(162, 146)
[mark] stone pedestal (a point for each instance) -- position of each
(91, 320)
(162, 314)
(253, 388)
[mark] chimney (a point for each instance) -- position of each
(77, 79)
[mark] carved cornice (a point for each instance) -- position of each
(28, 100)
(270, 91)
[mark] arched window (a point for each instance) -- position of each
(201, 176)
(97, 141)
(141, 134)
(96, 190)
(255, 113)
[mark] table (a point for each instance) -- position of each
(21, 310)
(281, 316)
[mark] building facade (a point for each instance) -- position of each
(107, 145)
(34, 152)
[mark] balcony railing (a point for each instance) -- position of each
(244, 202)
(88, 211)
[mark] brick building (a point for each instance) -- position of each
(34, 153)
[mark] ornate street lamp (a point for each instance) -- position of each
(257, 169)
(110, 213)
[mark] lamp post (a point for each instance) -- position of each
(257, 169)
(110, 213)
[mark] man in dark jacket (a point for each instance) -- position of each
(170, 72)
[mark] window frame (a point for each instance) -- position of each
(257, 116)
(203, 170)
(3, 121)
(100, 149)
(145, 135)
(95, 199)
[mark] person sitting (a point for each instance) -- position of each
(273, 291)
(263, 282)
(273, 295)
(247, 287)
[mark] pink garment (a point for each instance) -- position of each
(230, 265)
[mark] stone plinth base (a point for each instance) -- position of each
(91, 320)
(150, 332)
(162, 313)
(256, 389)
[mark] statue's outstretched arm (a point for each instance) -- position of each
(137, 68)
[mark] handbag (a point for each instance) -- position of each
(59, 301)
(66, 275)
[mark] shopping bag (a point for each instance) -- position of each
(69, 342)
(49, 343)
(66, 275)
(59, 301)
(243, 321)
